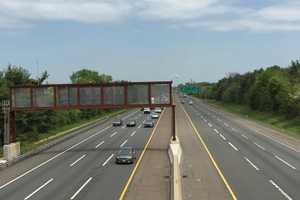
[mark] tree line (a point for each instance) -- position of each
(30, 124)
(273, 89)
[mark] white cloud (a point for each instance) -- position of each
(88, 11)
(217, 15)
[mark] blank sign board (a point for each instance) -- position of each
(111, 95)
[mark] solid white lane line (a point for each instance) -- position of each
(112, 135)
(98, 145)
(259, 146)
(76, 161)
(222, 136)
(123, 143)
(216, 131)
(244, 136)
(251, 163)
(38, 189)
(283, 144)
(108, 159)
(234, 147)
(209, 124)
(133, 133)
(285, 162)
(49, 160)
(140, 126)
(280, 190)
(79, 190)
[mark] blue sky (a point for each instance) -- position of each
(140, 40)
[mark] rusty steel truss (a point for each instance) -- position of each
(31, 98)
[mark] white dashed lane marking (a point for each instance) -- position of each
(234, 147)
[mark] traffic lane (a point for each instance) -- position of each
(102, 174)
(66, 157)
(243, 178)
(113, 180)
(21, 167)
(272, 143)
(264, 164)
(70, 178)
(280, 153)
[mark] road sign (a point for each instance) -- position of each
(189, 89)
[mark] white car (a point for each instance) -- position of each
(191, 102)
(157, 110)
(154, 115)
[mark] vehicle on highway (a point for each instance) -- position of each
(147, 110)
(157, 110)
(148, 123)
(191, 102)
(126, 155)
(131, 123)
(182, 101)
(118, 122)
(154, 115)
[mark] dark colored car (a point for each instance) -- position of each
(131, 123)
(118, 122)
(148, 124)
(126, 155)
(147, 110)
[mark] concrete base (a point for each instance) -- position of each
(11, 151)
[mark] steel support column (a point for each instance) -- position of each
(173, 123)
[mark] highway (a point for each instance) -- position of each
(82, 167)
(254, 166)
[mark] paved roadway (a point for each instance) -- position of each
(80, 168)
(255, 166)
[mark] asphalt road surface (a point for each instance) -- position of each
(255, 166)
(80, 168)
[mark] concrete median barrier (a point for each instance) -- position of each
(175, 154)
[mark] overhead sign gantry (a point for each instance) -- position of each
(80, 96)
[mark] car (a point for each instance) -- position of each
(157, 110)
(131, 123)
(118, 122)
(148, 123)
(191, 102)
(182, 101)
(147, 110)
(154, 115)
(126, 155)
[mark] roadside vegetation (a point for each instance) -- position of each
(270, 95)
(34, 126)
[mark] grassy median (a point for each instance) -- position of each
(288, 126)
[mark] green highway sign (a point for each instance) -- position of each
(190, 89)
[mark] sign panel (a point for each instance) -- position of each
(110, 95)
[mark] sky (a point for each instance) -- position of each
(140, 40)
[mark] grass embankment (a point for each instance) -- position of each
(277, 121)
(29, 143)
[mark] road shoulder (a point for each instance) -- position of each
(201, 180)
(151, 180)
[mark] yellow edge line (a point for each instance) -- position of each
(139, 160)
(211, 157)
